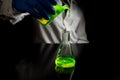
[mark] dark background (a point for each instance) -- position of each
(21, 34)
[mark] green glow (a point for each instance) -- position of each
(65, 62)
(64, 70)
(59, 9)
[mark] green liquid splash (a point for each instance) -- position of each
(59, 9)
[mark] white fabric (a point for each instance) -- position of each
(18, 18)
(74, 23)
(6, 8)
(7, 12)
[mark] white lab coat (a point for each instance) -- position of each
(74, 23)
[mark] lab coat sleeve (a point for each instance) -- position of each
(81, 31)
(7, 12)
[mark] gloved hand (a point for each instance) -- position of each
(37, 8)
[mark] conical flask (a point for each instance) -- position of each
(65, 61)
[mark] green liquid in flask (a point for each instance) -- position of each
(64, 64)
(65, 61)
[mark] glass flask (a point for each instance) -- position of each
(65, 61)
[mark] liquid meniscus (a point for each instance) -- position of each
(65, 62)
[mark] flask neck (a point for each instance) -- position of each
(66, 37)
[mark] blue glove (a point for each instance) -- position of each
(37, 8)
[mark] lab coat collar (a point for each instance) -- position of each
(66, 2)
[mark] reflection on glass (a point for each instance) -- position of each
(64, 70)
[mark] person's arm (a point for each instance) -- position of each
(6, 10)
(81, 28)
(36, 8)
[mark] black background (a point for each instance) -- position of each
(22, 34)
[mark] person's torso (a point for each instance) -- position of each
(53, 32)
